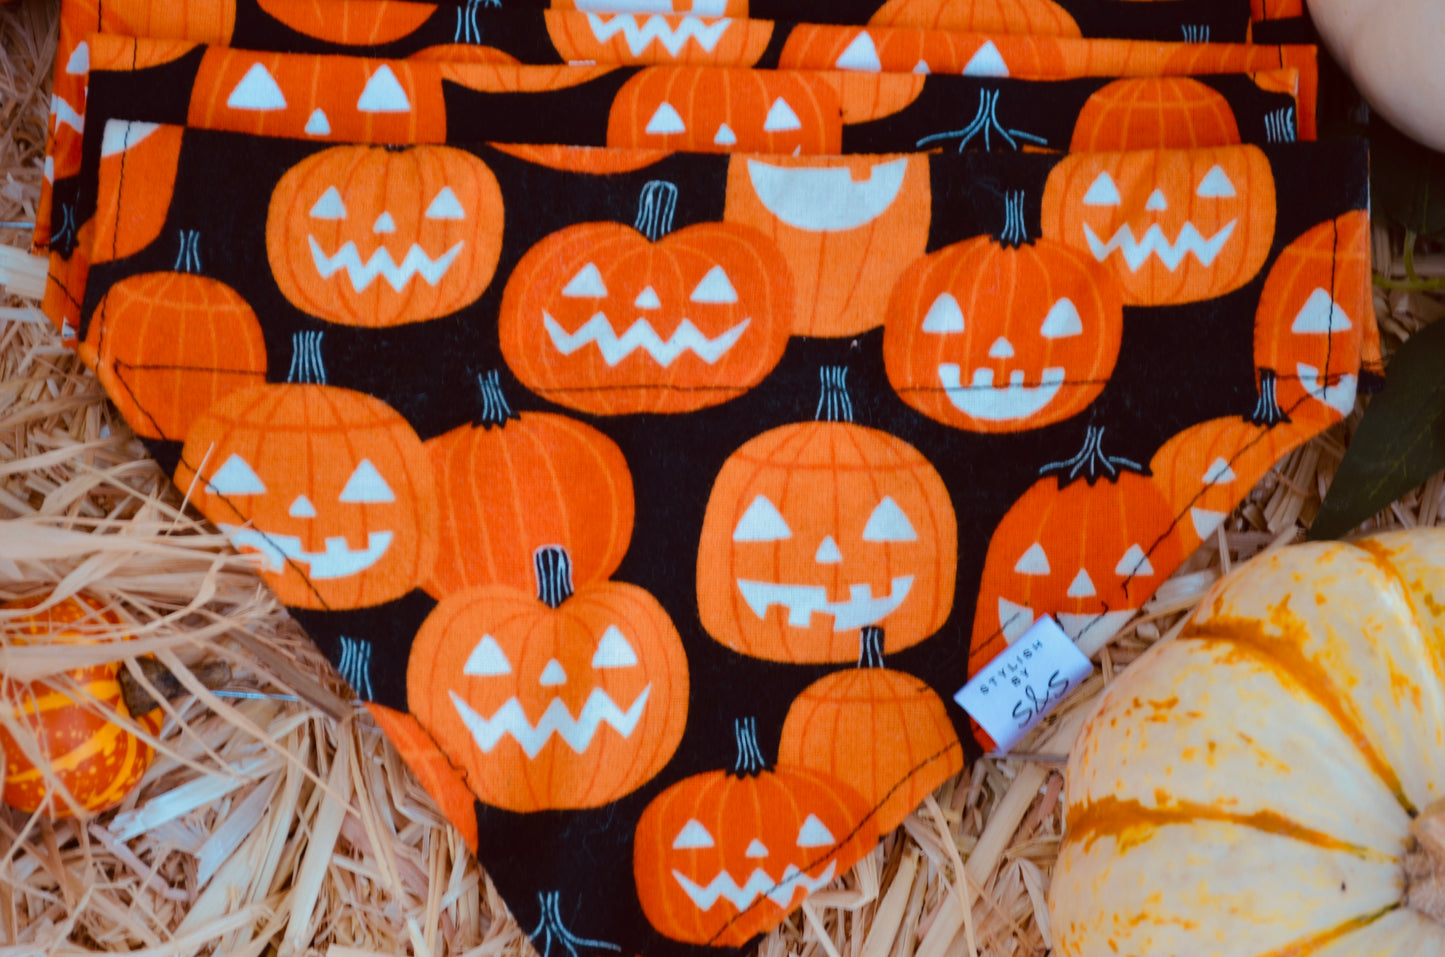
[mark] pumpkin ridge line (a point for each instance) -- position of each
(1379, 556)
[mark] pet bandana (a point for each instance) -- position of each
(329, 97)
(660, 502)
(399, 30)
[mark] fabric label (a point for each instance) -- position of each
(1016, 690)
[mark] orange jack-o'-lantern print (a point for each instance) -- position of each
(612, 320)
(1314, 319)
(1089, 552)
(817, 530)
(726, 111)
(1168, 112)
(1003, 335)
(318, 97)
(376, 236)
(514, 483)
(329, 488)
(1174, 226)
(723, 856)
(373, 23)
(884, 733)
(1039, 17)
(847, 227)
(168, 345)
(603, 37)
(1206, 470)
(890, 49)
(133, 152)
(554, 699)
(80, 723)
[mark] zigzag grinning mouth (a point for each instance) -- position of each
(759, 884)
(1137, 251)
(363, 274)
(640, 335)
(578, 732)
(657, 27)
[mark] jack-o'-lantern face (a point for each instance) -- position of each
(720, 857)
(373, 236)
(1175, 226)
(544, 707)
(657, 38)
(725, 111)
(814, 531)
(993, 338)
(611, 320)
(1315, 315)
(330, 489)
(341, 99)
(847, 227)
(1089, 555)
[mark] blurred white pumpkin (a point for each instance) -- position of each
(1395, 52)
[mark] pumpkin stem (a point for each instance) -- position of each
(655, 209)
(834, 404)
(870, 647)
(554, 575)
(750, 761)
(550, 928)
(495, 410)
(985, 121)
(1425, 863)
(306, 365)
(1267, 410)
(188, 258)
(1014, 233)
(140, 701)
(1091, 462)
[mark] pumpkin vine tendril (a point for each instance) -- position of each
(551, 928)
(1091, 462)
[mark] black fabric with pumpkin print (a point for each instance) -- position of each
(776, 470)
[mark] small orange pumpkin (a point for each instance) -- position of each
(96, 760)
(331, 488)
(374, 236)
(1037, 17)
(816, 530)
(998, 335)
(722, 856)
(1088, 544)
(884, 733)
(513, 483)
(344, 99)
(1176, 226)
(709, 308)
(604, 37)
(1170, 112)
(552, 700)
(726, 110)
(1315, 321)
(167, 345)
(847, 227)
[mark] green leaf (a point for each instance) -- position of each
(1400, 442)
(1407, 181)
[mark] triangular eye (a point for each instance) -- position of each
(1062, 321)
(329, 206)
(692, 835)
(714, 288)
(781, 117)
(1082, 586)
(587, 284)
(366, 485)
(613, 651)
(383, 94)
(445, 206)
(1034, 561)
(944, 315)
(1134, 562)
(487, 659)
(665, 120)
(1219, 473)
(235, 477)
(762, 522)
(814, 833)
(1215, 184)
(257, 91)
(1102, 192)
(888, 524)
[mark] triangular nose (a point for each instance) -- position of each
(553, 674)
(828, 553)
(301, 507)
(1001, 349)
